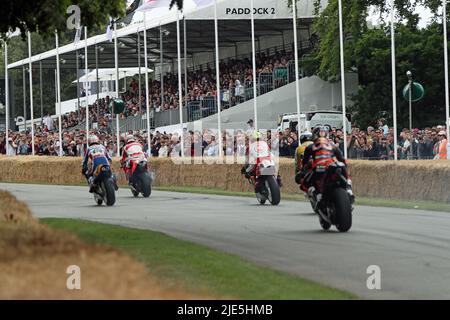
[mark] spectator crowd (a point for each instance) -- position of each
(373, 143)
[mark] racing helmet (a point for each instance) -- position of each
(306, 136)
(130, 138)
(93, 139)
(255, 136)
(320, 131)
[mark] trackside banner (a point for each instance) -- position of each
(263, 9)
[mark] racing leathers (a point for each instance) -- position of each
(132, 151)
(317, 156)
(299, 154)
(99, 157)
(257, 150)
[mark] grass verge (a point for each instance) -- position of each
(198, 269)
(361, 201)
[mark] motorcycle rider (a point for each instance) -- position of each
(132, 150)
(305, 141)
(258, 148)
(317, 157)
(99, 157)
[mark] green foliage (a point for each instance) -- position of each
(368, 50)
(46, 16)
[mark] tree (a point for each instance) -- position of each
(368, 51)
(46, 16)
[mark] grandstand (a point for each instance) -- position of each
(275, 66)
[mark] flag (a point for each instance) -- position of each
(109, 29)
(152, 4)
(202, 3)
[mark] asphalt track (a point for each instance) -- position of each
(411, 247)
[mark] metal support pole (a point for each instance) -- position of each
(58, 94)
(41, 95)
(139, 63)
(447, 108)
(78, 84)
(161, 58)
(116, 59)
(185, 61)
(6, 98)
(147, 95)
(219, 124)
(344, 109)
(97, 84)
(255, 103)
(297, 89)
(86, 70)
(31, 92)
(24, 98)
(180, 93)
(394, 84)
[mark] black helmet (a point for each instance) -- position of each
(305, 136)
(318, 130)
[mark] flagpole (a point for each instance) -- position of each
(31, 92)
(87, 79)
(180, 93)
(297, 82)
(341, 45)
(447, 111)
(394, 84)
(219, 106)
(116, 60)
(58, 93)
(6, 97)
(255, 108)
(146, 85)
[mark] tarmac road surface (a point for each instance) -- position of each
(411, 247)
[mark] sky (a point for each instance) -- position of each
(424, 13)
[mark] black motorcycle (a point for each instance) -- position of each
(141, 178)
(105, 190)
(335, 205)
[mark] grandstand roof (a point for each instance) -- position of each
(200, 35)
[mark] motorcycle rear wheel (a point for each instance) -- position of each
(343, 209)
(146, 185)
(110, 194)
(274, 190)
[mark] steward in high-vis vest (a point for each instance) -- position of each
(442, 145)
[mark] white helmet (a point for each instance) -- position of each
(93, 139)
(130, 138)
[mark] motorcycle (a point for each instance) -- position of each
(336, 204)
(265, 181)
(105, 186)
(140, 180)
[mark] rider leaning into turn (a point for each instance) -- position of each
(133, 150)
(99, 157)
(319, 154)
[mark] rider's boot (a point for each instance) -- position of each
(92, 186)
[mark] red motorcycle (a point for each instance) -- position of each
(140, 177)
(265, 180)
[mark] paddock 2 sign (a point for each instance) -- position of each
(247, 11)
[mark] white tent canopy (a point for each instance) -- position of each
(107, 74)
(164, 16)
